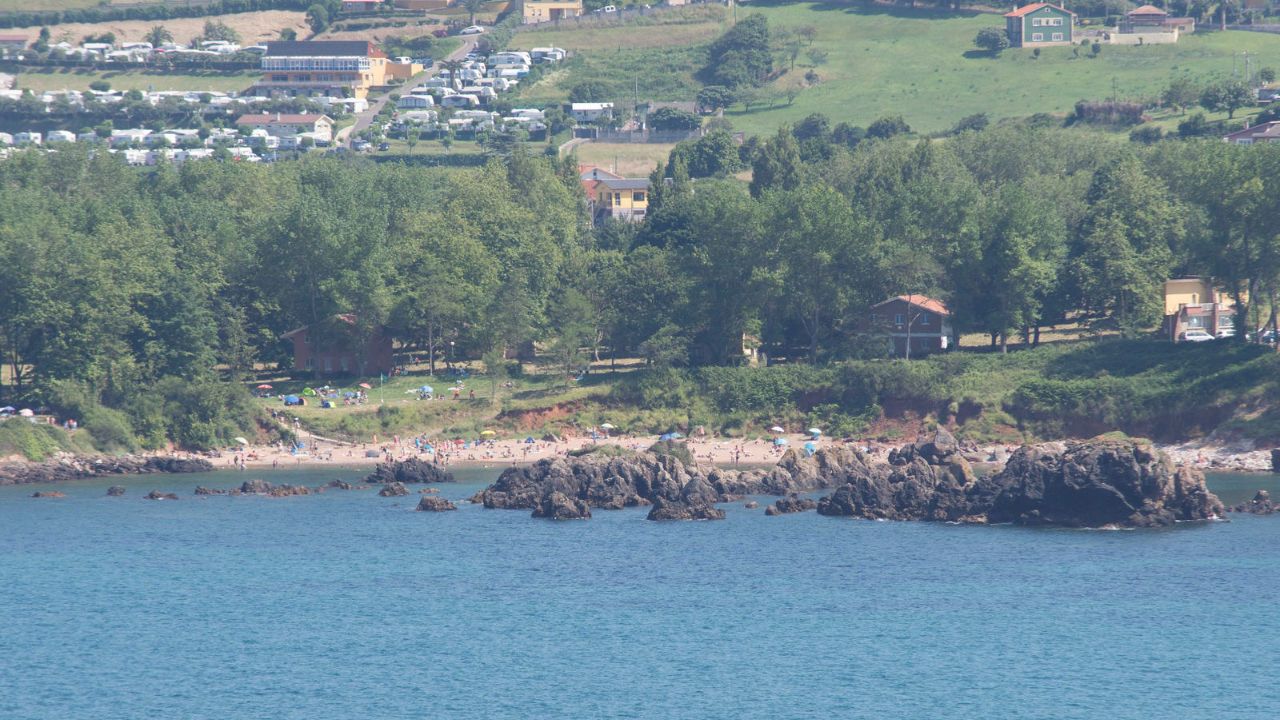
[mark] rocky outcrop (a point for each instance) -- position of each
(339, 485)
(115, 491)
(202, 490)
(1088, 484)
(157, 495)
(751, 505)
(48, 494)
(664, 509)
(262, 487)
(431, 503)
(616, 480)
(409, 472)
(1261, 504)
(791, 504)
(70, 467)
(393, 489)
(558, 506)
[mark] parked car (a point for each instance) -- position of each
(607, 9)
(384, 146)
(1226, 333)
(425, 62)
(1195, 336)
(403, 60)
(471, 30)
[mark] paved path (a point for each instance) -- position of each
(365, 119)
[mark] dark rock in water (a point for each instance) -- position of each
(255, 487)
(409, 472)
(176, 465)
(431, 503)
(115, 491)
(202, 490)
(608, 480)
(48, 494)
(1098, 484)
(791, 504)
(558, 506)
(752, 505)
(1275, 460)
(157, 495)
(1092, 484)
(1260, 505)
(340, 484)
(393, 489)
(678, 510)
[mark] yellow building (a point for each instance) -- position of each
(1196, 304)
(540, 11)
(336, 68)
(624, 199)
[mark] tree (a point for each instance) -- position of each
(1229, 95)
(572, 319)
(589, 91)
(669, 118)
(742, 55)
(159, 35)
(887, 127)
(992, 39)
(817, 56)
(713, 98)
(288, 34)
(220, 31)
(1182, 92)
(317, 18)
(473, 7)
(1267, 75)
(777, 165)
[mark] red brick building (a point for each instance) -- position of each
(918, 320)
(339, 347)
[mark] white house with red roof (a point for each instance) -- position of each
(1267, 132)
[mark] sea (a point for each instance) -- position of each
(348, 605)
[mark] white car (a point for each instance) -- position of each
(471, 30)
(1195, 336)
(607, 9)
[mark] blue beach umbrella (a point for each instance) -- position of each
(780, 442)
(426, 389)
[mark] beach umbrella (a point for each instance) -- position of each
(775, 428)
(309, 392)
(426, 389)
(488, 433)
(242, 441)
(780, 442)
(815, 431)
(7, 409)
(366, 386)
(529, 440)
(606, 426)
(26, 412)
(264, 386)
(291, 399)
(811, 446)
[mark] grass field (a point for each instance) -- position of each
(627, 159)
(42, 79)
(891, 60)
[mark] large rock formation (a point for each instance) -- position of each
(48, 494)
(393, 489)
(115, 491)
(431, 503)
(410, 471)
(157, 495)
(558, 506)
(791, 504)
(69, 467)
(1088, 484)
(606, 480)
(262, 487)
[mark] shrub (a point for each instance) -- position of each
(992, 39)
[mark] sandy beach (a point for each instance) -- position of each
(725, 452)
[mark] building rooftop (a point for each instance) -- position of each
(322, 48)
(624, 183)
(259, 118)
(920, 301)
(1027, 9)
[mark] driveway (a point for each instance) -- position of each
(365, 119)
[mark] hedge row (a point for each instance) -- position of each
(107, 13)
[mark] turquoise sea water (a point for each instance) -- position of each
(347, 605)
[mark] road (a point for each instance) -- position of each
(365, 119)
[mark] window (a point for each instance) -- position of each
(617, 199)
(924, 319)
(1036, 22)
(638, 197)
(897, 319)
(279, 78)
(1057, 37)
(1037, 37)
(343, 362)
(310, 363)
(328, 364)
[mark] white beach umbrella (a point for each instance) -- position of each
(775, 428)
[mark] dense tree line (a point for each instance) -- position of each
(158, 11)
(138, 291)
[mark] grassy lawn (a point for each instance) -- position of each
(41, 79)
(919, 64)
(888, 60)
(629, 159)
